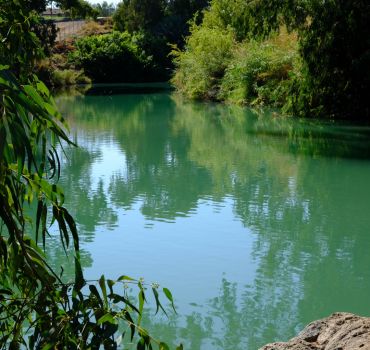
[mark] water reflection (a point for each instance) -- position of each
(236, 320)
(278, 205)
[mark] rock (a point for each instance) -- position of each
(340, 331)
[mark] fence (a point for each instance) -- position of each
(67, 29)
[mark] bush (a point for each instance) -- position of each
(157, 48)
(95, 28)
(66, 77)
(332, 79)
(56, 72)
(335, 50)
(114, 57)
(218, 64)
(228, 14)
(259, 72)
(202, 65)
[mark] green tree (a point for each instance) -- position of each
(161, 23)
(104, 9)
(114, 57)
(335, 49)
(333, 80)
(82, 9)
(38, 309)
(139, 15)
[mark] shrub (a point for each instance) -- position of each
(228, 14)
(114, 57)
(57, 72)
(64, 47)
(332, 79)
(95, 28)
(218, 64)
(335, 50)
(202, 65)
(66, 77)
(259, 72)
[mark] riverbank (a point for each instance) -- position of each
(339, 331)
(59, 70)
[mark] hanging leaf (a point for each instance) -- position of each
(168, 294)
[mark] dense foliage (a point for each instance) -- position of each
(160, 23)
(258, 73)
(137, 15)
(335, 50)
(38, 308)
(82, 9)
(104, 9)
(203, 64)
(216, 66)
(164, 18)
(330, 79)
(115, 57)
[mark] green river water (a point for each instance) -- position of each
(258, 224)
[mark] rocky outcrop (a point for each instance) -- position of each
(340, 331)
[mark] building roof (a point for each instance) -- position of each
(53, 12)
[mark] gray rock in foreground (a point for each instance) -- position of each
(340, 331)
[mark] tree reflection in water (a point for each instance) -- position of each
(300, 187)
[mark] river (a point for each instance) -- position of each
(258, 224)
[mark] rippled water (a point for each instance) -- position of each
(258, 224)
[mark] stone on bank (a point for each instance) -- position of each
(340, 331)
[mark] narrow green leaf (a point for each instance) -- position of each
(141, 306)
(41, 87)
(157, 302)
(95, 292)
(168, 294)
(43, 225)
(72, 227)
(131, 324)
(125, 278)
(117, 298)
(106, 318)
(110, 285)
(79, 278)
(140, 345)
(104, 290)
(31, 92)
(163, 346)
(40, 206)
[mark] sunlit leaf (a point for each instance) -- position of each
(168, 294)
(106, 318)
(125, 278)
(163, 346)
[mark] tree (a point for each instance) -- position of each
(83, 9)
(334, 47)
(38, 309)
(138, 15)
(335, 51)
(104, 9)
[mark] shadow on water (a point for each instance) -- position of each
(301, 188)
(119, 89)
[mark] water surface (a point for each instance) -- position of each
(258, 224)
